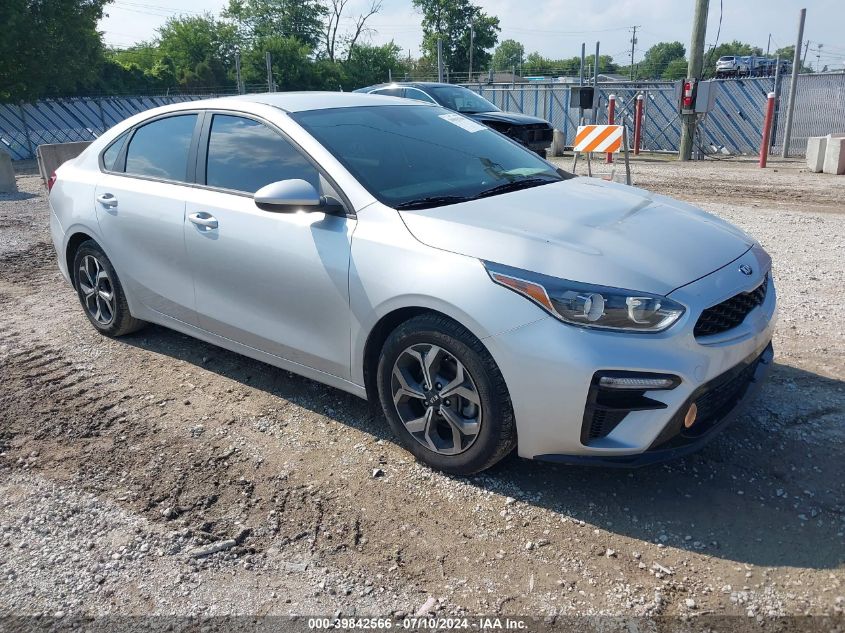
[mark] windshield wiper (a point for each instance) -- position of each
(516, 185)
(430, 202)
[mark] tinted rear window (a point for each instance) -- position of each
(160, 149)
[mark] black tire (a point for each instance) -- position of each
(116, 320)
(496, 437)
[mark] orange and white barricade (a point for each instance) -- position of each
(606, 139)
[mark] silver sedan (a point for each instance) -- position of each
(406, 254)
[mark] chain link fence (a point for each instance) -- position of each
(733, 127)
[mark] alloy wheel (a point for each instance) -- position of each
(97, 290)
(436, 399)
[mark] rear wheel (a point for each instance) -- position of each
(444, 396)
(100, 292)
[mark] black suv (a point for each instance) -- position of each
(534, 133)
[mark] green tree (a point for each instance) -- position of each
(509, 54)
(201, 49)
(676, 69)
(48, 47)
(450, 21)
(291, 63)
(658, 57)
(298, 19)
(374, 64)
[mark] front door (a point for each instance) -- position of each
(277, 282)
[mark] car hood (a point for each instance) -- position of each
(586, 230)
(507, 117)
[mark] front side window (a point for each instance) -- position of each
(244, 155)
(160, 149)
(412, 156)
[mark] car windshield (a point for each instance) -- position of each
(421, 156)
(460, 99)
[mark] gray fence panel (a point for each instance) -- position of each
(68, 120)
(734, 124)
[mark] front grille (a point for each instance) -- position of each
(535, 133)
(730, 313)
(714, 400)
(724, 394)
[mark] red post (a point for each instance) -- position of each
(611, 118)
(767, 130)
(638, 124)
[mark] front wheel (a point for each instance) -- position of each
(100, 292)
(444, 396)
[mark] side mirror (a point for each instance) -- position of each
(292, 193)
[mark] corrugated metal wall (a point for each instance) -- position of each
(734, 123)
(25, 127)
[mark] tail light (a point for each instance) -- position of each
(51, 181)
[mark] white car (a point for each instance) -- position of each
(407, 254)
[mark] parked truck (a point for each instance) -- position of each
(749, 66)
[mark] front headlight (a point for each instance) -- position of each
(588, 305)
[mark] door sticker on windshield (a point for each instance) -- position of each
(462, 122)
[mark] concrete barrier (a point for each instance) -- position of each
(816, 146)
(834, 156)
(558, 143)
(7, 174)
(50, 157)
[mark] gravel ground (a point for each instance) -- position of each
(156, 474)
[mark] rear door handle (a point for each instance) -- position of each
(203, 219)
(107, 200)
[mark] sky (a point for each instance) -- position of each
(556, 28)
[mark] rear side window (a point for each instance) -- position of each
(244, 155)
(160, 149)
(112, 152)
(390, 92)
(419, 95)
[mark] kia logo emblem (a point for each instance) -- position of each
(746, 270)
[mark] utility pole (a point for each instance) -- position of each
(471, 42)
(694, 70)
(270, 84)
(818, 56)
(238, 72)
(768, 46)
(806, 48)
(633, 44)
(596, 87)
(796, 65)
(440, 59)
(581, 81)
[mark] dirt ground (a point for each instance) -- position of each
(123, 463)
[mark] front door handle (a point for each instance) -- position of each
(203, 219)
(107, 200)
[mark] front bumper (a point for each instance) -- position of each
(549, 368)
(677, 441)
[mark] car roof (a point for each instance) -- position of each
(300, 101)
(414, 84)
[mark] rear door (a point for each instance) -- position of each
(140, 203)
(274, 281)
